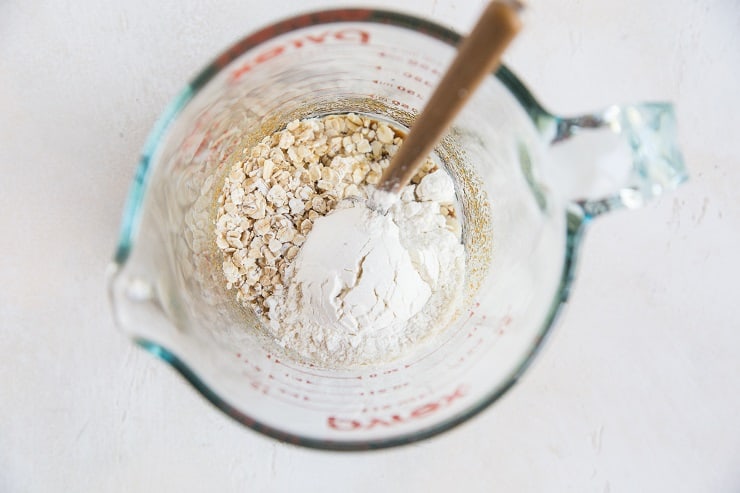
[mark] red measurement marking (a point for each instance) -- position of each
(346, 35)
(409, 91)
(383, 83)
(403, 105)
(418, 78)
(259, 387)
(424, 66)
(350, 424)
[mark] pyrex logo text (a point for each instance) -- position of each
(349, 35)
(350, 424)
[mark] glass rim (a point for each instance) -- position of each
(132, 211)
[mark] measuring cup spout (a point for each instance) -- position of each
(648, 134)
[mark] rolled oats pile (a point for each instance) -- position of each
(272, 196)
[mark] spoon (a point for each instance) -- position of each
(479, 54)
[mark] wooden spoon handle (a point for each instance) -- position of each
(479, 54)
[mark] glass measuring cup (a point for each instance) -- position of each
(521, 227)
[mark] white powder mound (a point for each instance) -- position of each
(364, 279)
(366, 287)
(437, 187)
(353, 281)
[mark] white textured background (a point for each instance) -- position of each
(639, 389)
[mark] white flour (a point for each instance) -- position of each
(366, 287)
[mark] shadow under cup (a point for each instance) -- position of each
(169, 292)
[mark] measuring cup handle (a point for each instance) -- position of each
(650, 131)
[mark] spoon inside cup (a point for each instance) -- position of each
(478, 55)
